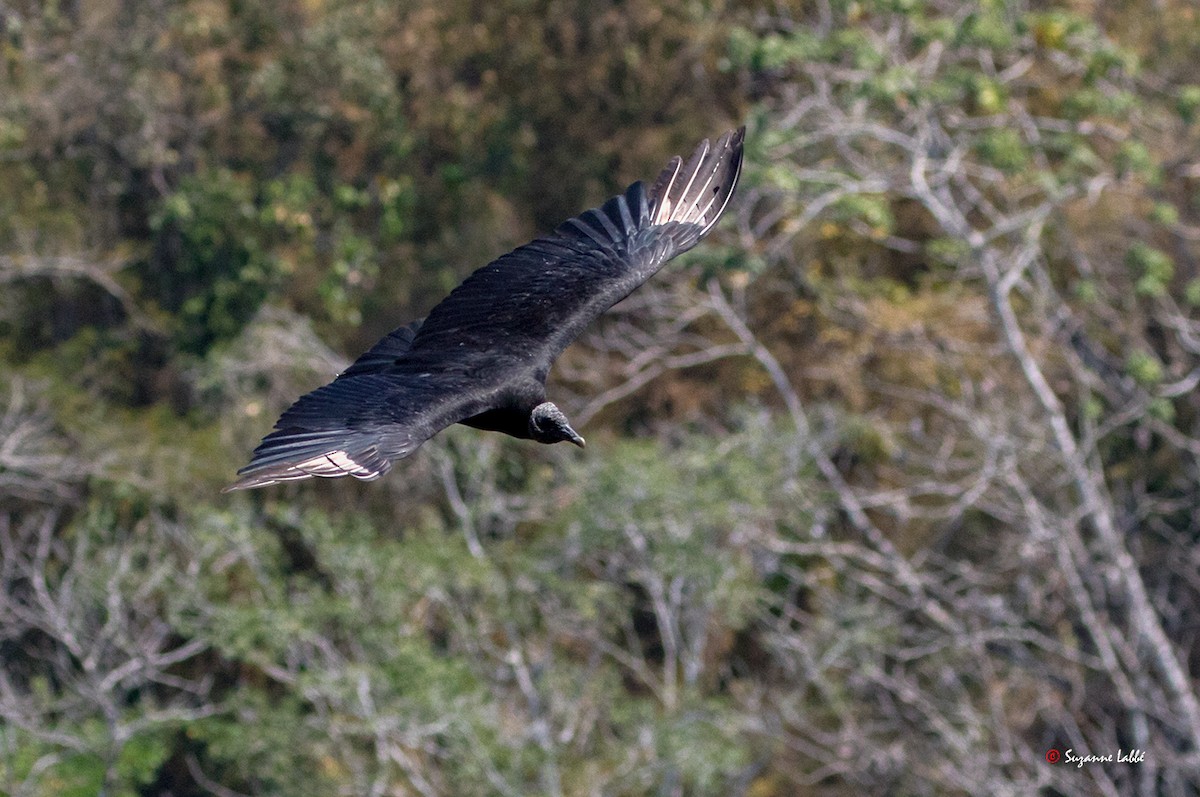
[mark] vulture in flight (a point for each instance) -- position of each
(482, 355)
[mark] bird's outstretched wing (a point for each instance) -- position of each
(384, 354)
(359, 424)
(498, 332)
(531, 303)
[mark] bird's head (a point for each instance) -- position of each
(547, 424)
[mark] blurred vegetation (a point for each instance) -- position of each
(891, 485)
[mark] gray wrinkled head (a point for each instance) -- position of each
(547, 424)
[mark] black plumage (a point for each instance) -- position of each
(482, 355)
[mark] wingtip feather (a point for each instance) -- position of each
(698, 190)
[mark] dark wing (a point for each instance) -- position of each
(531, 303)
(359, 424)
(384, 353)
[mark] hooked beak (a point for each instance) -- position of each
(577, 440)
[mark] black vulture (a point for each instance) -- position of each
(482, 355)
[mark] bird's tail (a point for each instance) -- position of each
(697, 191)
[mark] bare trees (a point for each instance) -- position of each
(95, 669)
(1009, 431)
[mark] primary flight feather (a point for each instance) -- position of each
(482, 355)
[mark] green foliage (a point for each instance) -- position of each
(1091, 102)
(1145, 368)
(1004, 149)
(1161, 409)
(141, 758)
(988, 96)
(1152, 267)
(1164, 213)
(679, 510)
(872, 211)
(1191, 292)
(773, 51)
(869, 441)
(1134, 158)
(950, 251)
(1188, 102)
(989, 26)
(374, 604)
(1057, 29)
(1086, 291)
(267, 743)
(212, 267)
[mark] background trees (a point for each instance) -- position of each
(893, 483)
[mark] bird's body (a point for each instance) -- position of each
(482, 356)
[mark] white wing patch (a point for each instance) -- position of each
(336, 463)
(686, 208)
